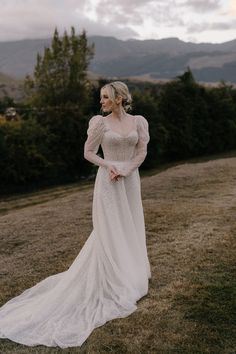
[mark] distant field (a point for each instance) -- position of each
(191, 228)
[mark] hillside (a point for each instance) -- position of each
(190, 222)
(10, 87)
(159, 59)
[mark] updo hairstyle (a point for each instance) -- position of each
(118, 88)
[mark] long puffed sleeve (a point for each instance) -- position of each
(95, 133)
(141, 147)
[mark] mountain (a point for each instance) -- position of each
(18, 58)
(164, 59)
(154, 59)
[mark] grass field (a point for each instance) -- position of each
(190, 218)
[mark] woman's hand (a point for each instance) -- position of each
(113, 173)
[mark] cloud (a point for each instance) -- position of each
(202, 5)
(133, 18)
(41, 17)
(32, 19)
(215, 26)
(120, 12)
(233, 7)
(218, 26)
(122, 19)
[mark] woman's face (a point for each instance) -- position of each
(106, 102)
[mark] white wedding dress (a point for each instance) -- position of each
(111, 271)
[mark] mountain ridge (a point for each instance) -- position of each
(161, 58)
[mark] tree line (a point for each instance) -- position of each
(45, 146)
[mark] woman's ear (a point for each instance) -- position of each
(118, 99)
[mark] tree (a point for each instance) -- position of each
(24, 154)
(145, 103)
(187, 77)
(60, 77)
(222, 118)
(60, 93)
(6, 102)
(183, 106)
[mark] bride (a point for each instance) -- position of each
(111, 271)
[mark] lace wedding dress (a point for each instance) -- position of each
(111, 271)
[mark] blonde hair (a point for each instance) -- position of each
(119, 88)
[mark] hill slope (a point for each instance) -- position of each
(190, 222)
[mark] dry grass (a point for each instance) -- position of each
(191, 227)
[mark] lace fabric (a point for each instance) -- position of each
(97, 130)
(95, 133)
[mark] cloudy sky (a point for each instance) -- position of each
(190, 20)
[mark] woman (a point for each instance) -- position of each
(111, 272)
